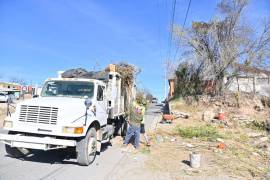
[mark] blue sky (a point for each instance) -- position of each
(40, 37)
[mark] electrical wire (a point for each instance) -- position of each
(184, 23)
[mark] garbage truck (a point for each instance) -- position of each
(78, 113)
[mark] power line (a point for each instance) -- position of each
(171, 27)
(177, 48)
(186, 13)
(169, 47)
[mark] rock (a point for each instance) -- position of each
(189, 145)
(267, 125)
(267, 175)
(220, 140)
(260, 141)
(159, 139)
(253, 134)
(263, 139)
(258, 108)
(255, 154)
(242, 119)
(208, 116)
(258, 104)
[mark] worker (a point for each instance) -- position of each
(142, 129)
(136, 114)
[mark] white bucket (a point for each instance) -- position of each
(195, 160)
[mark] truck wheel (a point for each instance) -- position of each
(87, 147)
(124, 128)
(14, 151)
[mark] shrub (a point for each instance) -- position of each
(204, 132)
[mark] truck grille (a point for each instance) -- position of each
(38, 114)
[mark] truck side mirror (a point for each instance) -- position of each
(88, 103)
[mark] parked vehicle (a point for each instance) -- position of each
(70, 112)
(155, 100)
(4, 97)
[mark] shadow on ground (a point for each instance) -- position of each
(57, 156)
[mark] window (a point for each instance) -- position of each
(68, 89)
(100, 93)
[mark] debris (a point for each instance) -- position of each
(195, 160)
(181, 114)
(221, 146)
(223, 122)
(253, 134)
(168, 118)
(220, 140)
(221, 115)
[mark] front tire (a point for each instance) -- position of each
(87, 147)
(14, 151)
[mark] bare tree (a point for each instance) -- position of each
(222, 43)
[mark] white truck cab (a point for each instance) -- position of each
(70, 112)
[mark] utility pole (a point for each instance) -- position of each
(165, 83)
(165, 78)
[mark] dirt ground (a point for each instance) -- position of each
(245, 155)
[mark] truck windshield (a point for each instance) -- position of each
(68, 88)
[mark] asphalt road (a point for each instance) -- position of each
(52, 165)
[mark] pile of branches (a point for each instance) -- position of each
(128, 73)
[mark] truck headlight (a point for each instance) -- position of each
(8, 124)
(73, 130)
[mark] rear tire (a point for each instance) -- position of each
(14, 151)
(124, 128)
(87, 147)
(121, 126)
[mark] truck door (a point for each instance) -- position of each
(101, 109)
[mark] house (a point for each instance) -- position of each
(11, 86)
(171, 87)
(251, 80)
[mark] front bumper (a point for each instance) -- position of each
(31, 142)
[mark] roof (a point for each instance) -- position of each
(8, 90)
(10, 83)
(253, 70)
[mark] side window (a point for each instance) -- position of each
(100, 93)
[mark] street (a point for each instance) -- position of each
(53, 165)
